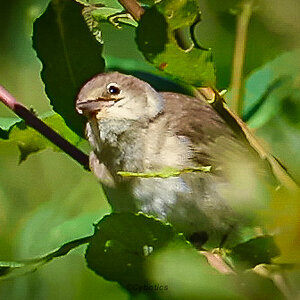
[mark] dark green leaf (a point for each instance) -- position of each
(290, 108)
(70, 56)
(151, 42)
(158, 82)
(169, 49)
(122, 243)
(30, 141)
(255, 251)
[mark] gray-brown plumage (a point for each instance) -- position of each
(133, 128)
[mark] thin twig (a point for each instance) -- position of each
(30, 119)
(239, 55)
(133, 7)
(217, 262)
(278, 279)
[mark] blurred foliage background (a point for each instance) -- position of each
(48, 199)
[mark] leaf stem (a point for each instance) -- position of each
(133, 7)
(239, 55)
(166, 172)
(20, 110)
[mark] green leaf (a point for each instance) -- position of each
(148, 2)
(166, 172)
(282, 217)
(229, 6)
(123, 242)
(255, 251)
(267, 88)
(70, 56)
(106, 3)
(164, 49)
(11, 269)
(185, 274)
(30, 141)
(114, 16)
(5, 124)
(108, 11)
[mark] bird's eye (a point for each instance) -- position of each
(113, 89)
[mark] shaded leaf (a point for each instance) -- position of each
(151, 42)
(229, 6)
(187, 275)
(10, 269)
(70, 56)
(122, 243)
(283, 218)
(255, 251)
(290, 108)
(165, 49)
(30, 141)
(158, 82)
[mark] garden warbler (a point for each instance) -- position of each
(170, 156)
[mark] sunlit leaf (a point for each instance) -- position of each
(166, 172)
(98, 12)
(30, 141)
(5, 124)
(114, 16)
(165, 49)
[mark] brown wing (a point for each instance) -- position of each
(197, 120)
(213, 141)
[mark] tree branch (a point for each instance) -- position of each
(239, 55)
(20, 110)
(133, 7)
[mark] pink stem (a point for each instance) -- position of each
(7, 98)
(20, 110)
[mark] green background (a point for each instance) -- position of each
(48, 199)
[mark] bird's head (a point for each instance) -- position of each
(118, 96)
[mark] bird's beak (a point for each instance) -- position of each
(93, 106)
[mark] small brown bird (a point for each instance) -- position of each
(132, 128)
